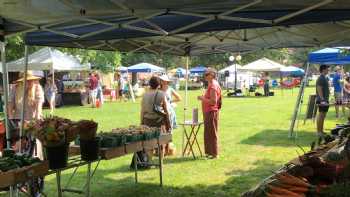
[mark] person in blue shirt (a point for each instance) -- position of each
(338, 89)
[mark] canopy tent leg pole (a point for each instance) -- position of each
(131, 92)
(6, 92)
(299, 101)
(24, 100)
(186, 98)
(53, 83)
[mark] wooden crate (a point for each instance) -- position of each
(7, 178)
(133, 147)
(110, 153)
(36, 170)
(150, 144)
(74, 150)
(19, 175)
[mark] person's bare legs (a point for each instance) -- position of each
(336, 110)
(320, 123)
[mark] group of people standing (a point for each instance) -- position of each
(341, 85)
(158, 109)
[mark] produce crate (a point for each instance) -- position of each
(150, 144)
(23, 174)
(110, 153)
(148, 135)
(7, 179)
(156, 133)
(108, 142)
(28, 172)
(133, 147)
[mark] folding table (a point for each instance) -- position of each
(191, 130)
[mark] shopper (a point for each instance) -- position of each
(50, 93)
(266, 79)
(99, 95)
(337, 84)
(152, 117)
(172, 97)
(211, 105)
(346, 94)
(322, 99)
(93, 89)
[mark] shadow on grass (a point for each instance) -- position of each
(167, 160)
(271, 137)
(238, 182)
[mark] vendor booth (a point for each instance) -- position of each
(149, 26)
(244, 78)
(53, 61)
(263, 65)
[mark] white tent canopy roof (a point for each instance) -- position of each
(231, 68)
(48, 59)
(263, 65)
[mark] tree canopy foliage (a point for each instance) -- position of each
(107, 61)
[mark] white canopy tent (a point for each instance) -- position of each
(263, 65)
(48, 59)
(244, 78)
(230, 68)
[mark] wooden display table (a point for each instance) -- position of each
(107, 154)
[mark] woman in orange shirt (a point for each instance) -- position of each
(211, 105)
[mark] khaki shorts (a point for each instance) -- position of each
(338, 98)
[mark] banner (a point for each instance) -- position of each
(2, 30)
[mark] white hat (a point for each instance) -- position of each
(164, 78)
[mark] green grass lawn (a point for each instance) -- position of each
(253, 142)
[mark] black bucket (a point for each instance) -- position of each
(57, 156)
(89, 149)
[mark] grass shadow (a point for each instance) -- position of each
(238, 182)
(271, 137)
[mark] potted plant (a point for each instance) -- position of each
(55, 133)
(89, 143)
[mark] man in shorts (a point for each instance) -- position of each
(337, 84)
(322, 98)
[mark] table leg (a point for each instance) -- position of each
(88, 180)
(11, 191)
(160, 157)
(190, 141)
(58, 180)
(71, 177)
(196, 141)
(187, 139)
(135, 167)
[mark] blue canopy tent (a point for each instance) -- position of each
(292, 71)
(198, 70)
(144, 68)
(330, 56)
(122, 69)
(180, 72)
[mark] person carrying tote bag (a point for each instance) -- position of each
(154, 113)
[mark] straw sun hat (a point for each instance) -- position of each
(164, 78)
(30, 76)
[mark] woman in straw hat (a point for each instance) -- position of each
(171, 97)
(211, 105)
(34, 95)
